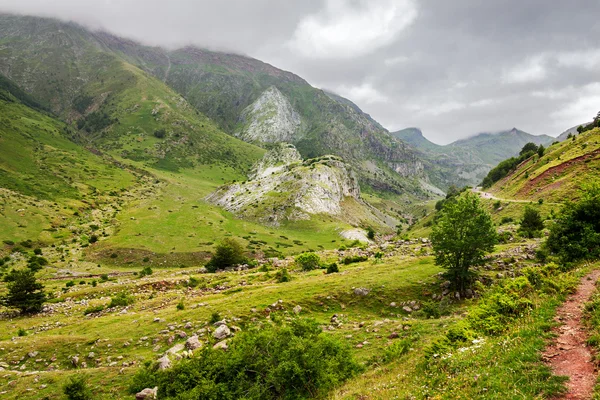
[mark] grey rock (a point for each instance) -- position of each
(221, 332)
(164, 362)
(147, 394)
(193, 343)
(361, 291)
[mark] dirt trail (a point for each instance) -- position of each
(569, 355)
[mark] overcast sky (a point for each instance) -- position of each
(450, 67)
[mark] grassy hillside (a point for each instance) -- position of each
(557, 175)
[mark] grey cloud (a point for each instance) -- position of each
(457, 68)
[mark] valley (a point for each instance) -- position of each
(178, 222)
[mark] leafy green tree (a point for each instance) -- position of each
(541, 150)
(575, 235)
(370, 233)
(77, 389)
(24, 291)
(308, 261)
(531, 223)
(528, 148)
(227, 254)
(461, 238)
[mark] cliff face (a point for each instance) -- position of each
(270, 119)
(283, 187)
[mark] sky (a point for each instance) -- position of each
(451, 68)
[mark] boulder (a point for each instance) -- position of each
(193, 343)
(221, 332)
(297, 310)
(361, 291)
(164, 362)
(221, 345)
(147, 394)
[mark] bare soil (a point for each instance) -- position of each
(568, 354)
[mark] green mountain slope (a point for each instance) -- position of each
(556, 176)
(243, 94)
(467, 161)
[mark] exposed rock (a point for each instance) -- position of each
(193, 343)
(361, 291)
(221, 332)
(297, 310)
(221, 345)
(407, 309)
(271, 118)
(147, 394)
(176, 349)
(164, 362)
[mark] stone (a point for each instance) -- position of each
(164, 362)
(392, 304)
(75, 361)
(221, 332)
(176, 349)
(188, 326)
(361, 291)
(407, 309)
(297, 310)
(91, 355)
(221, 345)
(393, 335)
(147, 394)
(219, 323)
(193, 343)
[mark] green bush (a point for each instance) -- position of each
(283, 276)
(332, 268)
(77, 389)
(180, 305)
(121, 300)
(354, 259)
(575, 234)
(146, 271)
(275, 362)
(531, 223)
(93, 309)
(227, 254)
(308, 261)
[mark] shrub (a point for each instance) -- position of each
(354, 259)
(332, 268)
(24, 291)
(21, 332)
(214, 317)
(575, 234)
(93, 239)
(531, 223)
(121, 300)
(193, 282)
(93, 309)
(70, 284)
(160, 133)
(146, 271)
(227, 254)
(370, 233)
(77, 389)
(37, 251)
(180, 305)
(506, 220)
(274, 362)
(283, 276)
(308, 261)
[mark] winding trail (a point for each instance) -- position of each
(487, 195)
(568, 354)
(168, 69)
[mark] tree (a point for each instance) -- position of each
(24, 291)
(529, 148)
(308, 261)
(370, 233)
(541, 150)
(575, 235)
(461, 238)
(532, 223)
(228, 253)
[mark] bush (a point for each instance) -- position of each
(370, 233)
(93, 239)
(283, 276)
(160, 133)
(332, 268)
(274, 362)
(70, 284)
(21, 332)
(121, 300)
(24, 291)
(354, 259)
(532, 223)
(575, 235)
(308, 261)
(93, 309)
(214, 317)
(77, 389)
(227, 254)
(146, 271)
(37, 251)
(180, 305)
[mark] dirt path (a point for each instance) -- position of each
(569, 355)
(487, 195)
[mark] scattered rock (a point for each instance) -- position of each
(297, 310)
(193, 343)
(407, 309)
(361, 291)
(221, 345)
(221, 332)
(147, 394)
(164, 362)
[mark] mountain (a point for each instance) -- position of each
(467, 161)
(571, 131)
(246, 98)
(558, 175)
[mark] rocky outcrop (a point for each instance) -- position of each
(285, 187)
(270, 119)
